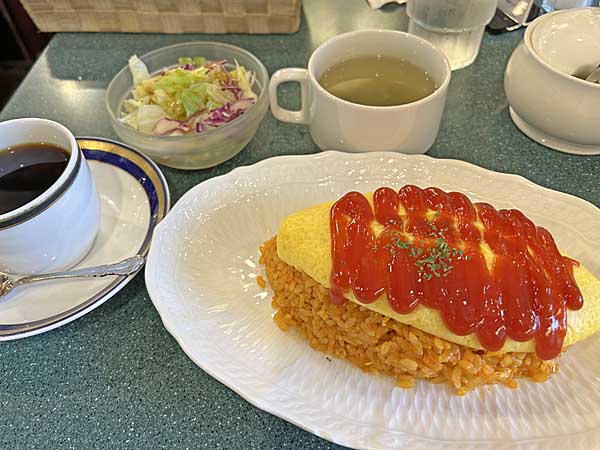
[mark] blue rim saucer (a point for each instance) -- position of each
(146, 173)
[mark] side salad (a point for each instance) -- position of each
(192, 97)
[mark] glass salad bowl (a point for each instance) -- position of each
(196, 150)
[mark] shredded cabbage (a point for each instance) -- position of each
(192, 97)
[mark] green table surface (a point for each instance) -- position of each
(115, 378)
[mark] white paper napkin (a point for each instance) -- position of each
(376, 4)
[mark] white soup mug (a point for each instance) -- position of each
(336, 124)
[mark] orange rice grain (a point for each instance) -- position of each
(261, 282)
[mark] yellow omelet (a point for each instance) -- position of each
(304, 242)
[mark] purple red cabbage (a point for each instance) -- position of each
(225, 113)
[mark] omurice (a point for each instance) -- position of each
(425, 284)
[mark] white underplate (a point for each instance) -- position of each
(126, 227)
(549, 141)
(201, 277)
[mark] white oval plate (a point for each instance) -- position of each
(201, 277)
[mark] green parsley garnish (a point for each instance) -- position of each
(433, 261)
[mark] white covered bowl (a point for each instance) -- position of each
(547, 102)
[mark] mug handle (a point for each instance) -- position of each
(283, 76)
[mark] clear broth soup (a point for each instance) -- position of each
(377, 81)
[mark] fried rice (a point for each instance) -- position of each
(381, 345)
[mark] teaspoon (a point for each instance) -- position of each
(126, 267)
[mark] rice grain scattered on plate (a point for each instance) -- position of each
(378, 344)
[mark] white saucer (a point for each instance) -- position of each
(551, 142)
(134, 197)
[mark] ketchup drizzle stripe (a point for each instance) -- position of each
(431, 253)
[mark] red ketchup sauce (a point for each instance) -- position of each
(429, 253)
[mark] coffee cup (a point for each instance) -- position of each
(58, 227)
(337, 124)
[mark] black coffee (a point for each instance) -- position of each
(27, 170)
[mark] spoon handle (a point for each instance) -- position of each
(594, 77)
(125, 267)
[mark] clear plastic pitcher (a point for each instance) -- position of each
(454, 26)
